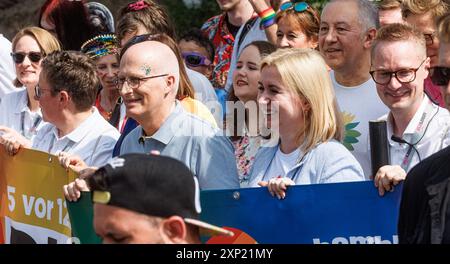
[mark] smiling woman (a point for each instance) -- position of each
(297, 98)
(244, 91)
(103, 49)
(19, 111)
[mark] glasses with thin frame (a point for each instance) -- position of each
(134, 82)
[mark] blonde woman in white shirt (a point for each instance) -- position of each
(20, 116)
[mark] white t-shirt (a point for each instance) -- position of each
(93, 140)
(359, 105)
(282, 163)
(434, 128)
(15, 114)
(7, 72)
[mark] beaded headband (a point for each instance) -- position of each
(100, 46)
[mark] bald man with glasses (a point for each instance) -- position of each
(148, 82)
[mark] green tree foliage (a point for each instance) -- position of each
(186, 18)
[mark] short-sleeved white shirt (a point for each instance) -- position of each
(93, 140)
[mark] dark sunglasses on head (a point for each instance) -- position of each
(440, 76)
(19, 57)
(194, 59)
(296, 5)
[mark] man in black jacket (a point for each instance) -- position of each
(426, 191)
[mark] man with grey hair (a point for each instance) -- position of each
(346, 32)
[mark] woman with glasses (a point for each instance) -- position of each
(298, 25)
(20, 116)
(103, 49)
(242, 121)
(297, 100)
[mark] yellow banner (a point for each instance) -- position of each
(32, 204)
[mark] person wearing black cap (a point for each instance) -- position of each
(140, 198)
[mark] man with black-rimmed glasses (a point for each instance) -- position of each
(417, 127)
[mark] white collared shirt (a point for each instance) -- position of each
(436, 137)
(15, 114)
(93, 140)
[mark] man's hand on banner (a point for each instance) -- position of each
(277, 186)
(12, 140)
(387, 177)
(72, 191)
(69, 161)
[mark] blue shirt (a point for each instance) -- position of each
(326, 163)
(194, 142)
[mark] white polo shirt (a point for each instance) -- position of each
(428, 136)
(93, 140)
(15, 114)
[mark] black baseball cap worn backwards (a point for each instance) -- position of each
(153, 185)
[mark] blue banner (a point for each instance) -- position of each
(338, 213)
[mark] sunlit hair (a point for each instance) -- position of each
(305, 73)
(437, 8)
(46, 41)
(153, 18)
(307, 21)
(389, 4)
(400, 32)
(444, 28)
(73, 72)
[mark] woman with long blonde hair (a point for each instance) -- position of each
(299, 106)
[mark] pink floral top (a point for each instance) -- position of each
(245, 150)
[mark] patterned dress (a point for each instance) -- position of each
(245, 150)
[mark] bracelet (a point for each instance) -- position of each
(267, 18)
(263, 13)
(267, 23)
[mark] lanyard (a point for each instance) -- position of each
(66, 147)
(32, 130)
(418, 134)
